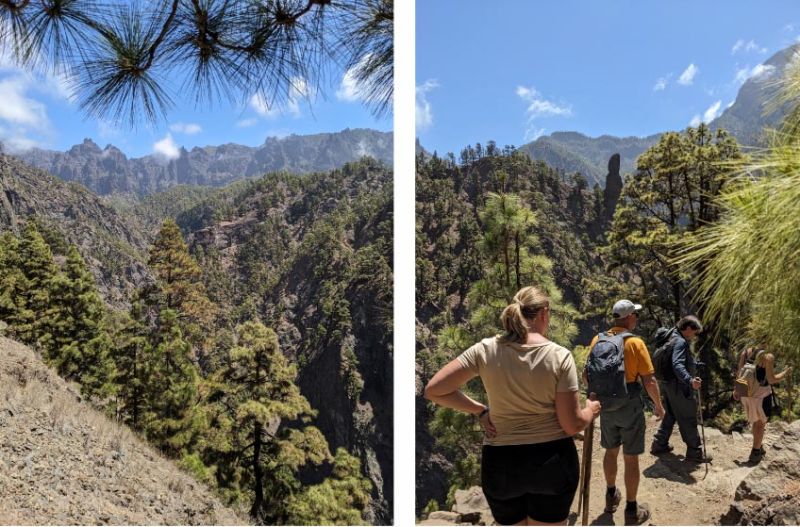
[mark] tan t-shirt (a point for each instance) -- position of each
(521, 381)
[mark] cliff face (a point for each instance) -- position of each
(114, 250)
(63, 463)
(108, 171)
(315, 253)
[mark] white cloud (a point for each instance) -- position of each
(709, 115)
(298, 89)
(185, 128)
(262, 107)
(762, 70)
(423, 110)
(18, 108)
(349, 90)
(539, 107)
(730, 104)
(20, 115)
(167, 148)
(758, 72)
(246, 123)
(712, 112)
(747, 47)
(789, 28)
(687, 77)
(662, 82)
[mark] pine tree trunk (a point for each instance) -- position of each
(258, 502)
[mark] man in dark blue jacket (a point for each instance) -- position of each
(677, 383)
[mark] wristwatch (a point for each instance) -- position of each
(483, 412)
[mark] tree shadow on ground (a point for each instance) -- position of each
(672, 468)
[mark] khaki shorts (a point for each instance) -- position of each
(624, 426)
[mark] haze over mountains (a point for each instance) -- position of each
(108, 171)
(745, 119)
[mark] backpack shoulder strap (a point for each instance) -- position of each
(625, 334)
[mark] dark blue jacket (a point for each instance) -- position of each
(683, 364)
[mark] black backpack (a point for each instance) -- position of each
(662, 356)
(605, 369)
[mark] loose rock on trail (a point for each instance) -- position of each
(678, 492)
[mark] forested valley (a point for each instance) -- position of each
(245, 332)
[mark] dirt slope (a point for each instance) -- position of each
(63, 463)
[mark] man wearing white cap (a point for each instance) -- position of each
(623, 424)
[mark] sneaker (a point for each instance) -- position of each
(756, 455)
(696, 456)
(612, 501)
(638, 516)
(656, 449)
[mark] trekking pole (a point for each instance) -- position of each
(586, 470)
(702, 429)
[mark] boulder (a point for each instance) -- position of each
(770, 493)
(471, 504)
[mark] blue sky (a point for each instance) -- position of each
(37, 110)
(514, 70)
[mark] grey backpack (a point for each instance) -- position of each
(605, 369)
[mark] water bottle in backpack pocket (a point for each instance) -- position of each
(605, 370)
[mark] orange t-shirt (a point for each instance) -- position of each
(637, 358)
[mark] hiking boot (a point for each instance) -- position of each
(696, 456)
(657, 450)
(756, 455)
(612, 501)
(638, 516)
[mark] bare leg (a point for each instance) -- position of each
(631, 477)
(610, 466)
(758, 433)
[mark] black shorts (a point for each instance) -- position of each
(536, 481)
(767, 405)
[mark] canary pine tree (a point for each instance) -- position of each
(81, 347)
(258, 389)
(179, 287)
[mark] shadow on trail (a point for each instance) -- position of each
(672, 468)
(747, 463)
(603, 519)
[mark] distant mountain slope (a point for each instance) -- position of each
(750, 112)
(315, 251)
(63, 463)
(575, 152)
(113, 248)
(108, 171)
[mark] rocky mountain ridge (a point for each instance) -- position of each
(108, 171)
(114, 249)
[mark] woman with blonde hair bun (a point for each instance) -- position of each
(529, 465)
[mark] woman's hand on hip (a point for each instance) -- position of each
(488, 426)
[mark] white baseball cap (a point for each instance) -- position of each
(623, 308)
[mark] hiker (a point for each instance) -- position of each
(622, 420)
(759, 404)
(529, 465)
(675, 370)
